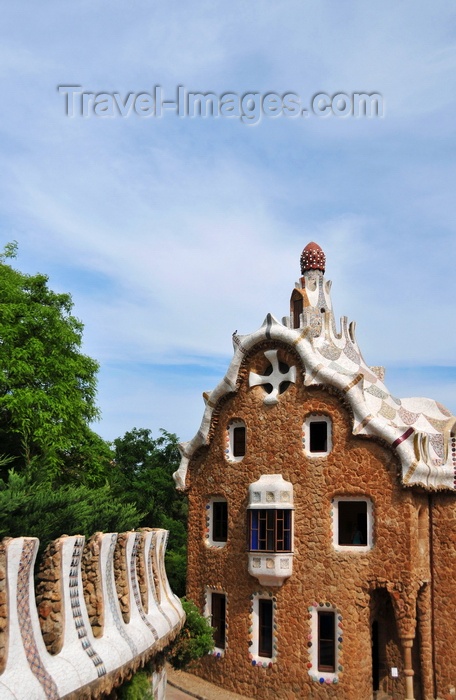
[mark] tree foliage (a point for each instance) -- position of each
(47, 385)
(143, 469)
(56, 474)
(31, 510)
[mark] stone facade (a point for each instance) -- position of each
(391, 594)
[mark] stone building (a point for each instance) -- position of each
(322, 518)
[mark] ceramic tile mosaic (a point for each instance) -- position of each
(25, 623)
(78, 619)
(134, 586)
(66, 673)
(112, 598)
(317, 352)
(154, 565)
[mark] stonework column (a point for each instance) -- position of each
(407, 645)
(425, 628)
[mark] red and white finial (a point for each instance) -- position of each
(312, 258)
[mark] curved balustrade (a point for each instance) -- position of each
(86, 665)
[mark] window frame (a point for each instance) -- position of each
(321, 672)
(219, 630)
(211, 524)
(307, 436)
(239, 443)
(297, 310)
(325, 667)
(230, 450)
(273, 527)
(353, 548)
(265, 642)
(260, 648)
(219, 521)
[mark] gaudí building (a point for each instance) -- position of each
(322, 517)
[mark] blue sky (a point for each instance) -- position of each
(170, 233)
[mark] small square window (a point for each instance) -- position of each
(317, 438)
(352, 523)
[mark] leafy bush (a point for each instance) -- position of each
(138, 688)
(194, 640)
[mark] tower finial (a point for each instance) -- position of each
(312, 258)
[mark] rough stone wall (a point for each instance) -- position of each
(141, 571)
(444, 591)
(121, 576)
(155, 570)
(91, 581)
(49, 597)
(355, 466)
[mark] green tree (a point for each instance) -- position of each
(56, 475)
(35, 510)
(47, 385)
(143, 475)
(144, 469)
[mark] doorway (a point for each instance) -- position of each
(385, 647)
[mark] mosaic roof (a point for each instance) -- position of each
(420, 430)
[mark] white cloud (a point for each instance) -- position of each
(171, 234)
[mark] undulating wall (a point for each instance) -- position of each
(92, 623)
